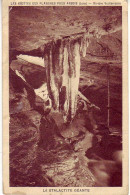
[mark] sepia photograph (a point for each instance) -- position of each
(65, 96)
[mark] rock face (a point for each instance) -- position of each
(24, 137)
(94, 76)
(56, 22)
(21, 96)
(24, 133)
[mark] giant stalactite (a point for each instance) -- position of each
(62, 61)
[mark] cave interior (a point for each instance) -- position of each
(65, 96)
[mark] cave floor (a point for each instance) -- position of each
(66, 164)
(59, 152)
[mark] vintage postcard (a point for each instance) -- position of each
(65, 97)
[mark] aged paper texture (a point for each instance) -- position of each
(65, 97)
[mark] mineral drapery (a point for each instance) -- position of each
(62, 61)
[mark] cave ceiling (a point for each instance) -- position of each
(31, 28)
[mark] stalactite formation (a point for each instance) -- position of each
(62, 61)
